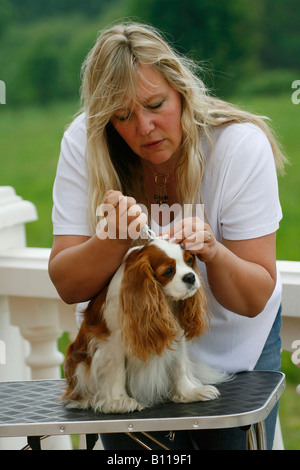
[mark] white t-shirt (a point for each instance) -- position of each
(240, 197)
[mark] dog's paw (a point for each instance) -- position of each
(121, 405)
(208, 392)
(205, 393)
(80, 404)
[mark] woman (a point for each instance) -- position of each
(150, 134)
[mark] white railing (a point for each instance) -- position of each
(32, 316)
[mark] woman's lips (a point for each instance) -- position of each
(154, 144)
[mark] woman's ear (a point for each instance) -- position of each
(148, 325)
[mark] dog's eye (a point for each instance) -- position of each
(168, 272)
(190, 261)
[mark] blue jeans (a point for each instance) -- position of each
(214, 439)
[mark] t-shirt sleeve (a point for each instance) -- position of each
(70, 189)
(250, 201)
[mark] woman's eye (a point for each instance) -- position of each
(168, 272)
(157, 105)
(124, 118)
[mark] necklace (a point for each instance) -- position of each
(160, 180)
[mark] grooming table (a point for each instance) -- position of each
(32, 409)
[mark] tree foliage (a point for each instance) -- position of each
(223, 34)
(28, 10)
(43, 43)
(6, 15)
(281, 47)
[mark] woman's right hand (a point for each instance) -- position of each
(122, 219)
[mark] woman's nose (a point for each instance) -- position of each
(144, 122)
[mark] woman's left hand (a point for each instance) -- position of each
(195, 236)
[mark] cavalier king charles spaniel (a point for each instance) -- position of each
(131, 350)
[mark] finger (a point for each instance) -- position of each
(190, 231)
(196, 244)
(207, 236)
(125, 203)
(130, 201)
(193, 242)
(134, 210)
(104, 209)
(170, 233)
(136, 225)
(112, 197)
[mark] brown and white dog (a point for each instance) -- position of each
(131, 350)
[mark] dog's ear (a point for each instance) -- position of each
(193, 314)
(148, 325)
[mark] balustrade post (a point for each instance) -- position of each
(29, 307)
(14, 213)
(39, 323)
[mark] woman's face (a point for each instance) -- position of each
(152, 127)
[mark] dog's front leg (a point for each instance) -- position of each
(111, 396)
(186, 387)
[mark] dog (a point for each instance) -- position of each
(131, 350)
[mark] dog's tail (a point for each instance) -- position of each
(207, 374)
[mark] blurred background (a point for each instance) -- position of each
(250, 55)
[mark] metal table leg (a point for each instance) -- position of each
(261, 436)
(91, 440)
(143, 444)
(251, 439)
(256, 437)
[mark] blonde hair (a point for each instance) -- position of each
(109, 81)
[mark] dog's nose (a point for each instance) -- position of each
(189, 279)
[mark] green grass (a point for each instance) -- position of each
(30, 144)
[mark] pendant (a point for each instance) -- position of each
(161, 196)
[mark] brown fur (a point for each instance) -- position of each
(93, 325)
